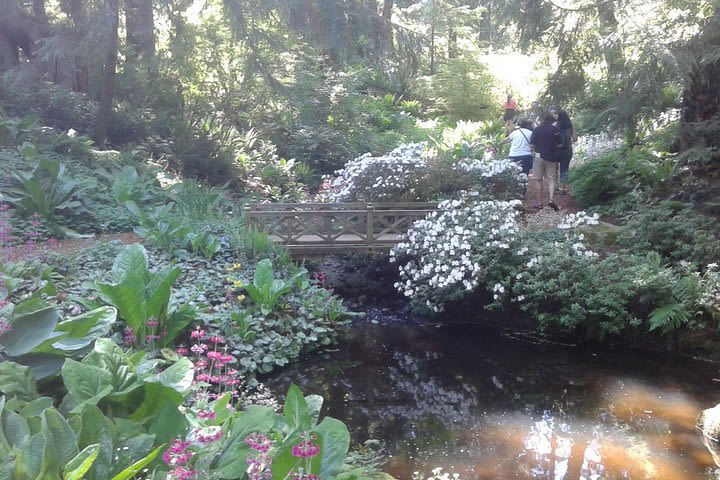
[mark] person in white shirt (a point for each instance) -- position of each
(519, 140)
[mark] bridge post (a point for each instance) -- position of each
(249, 222)
(370, 226)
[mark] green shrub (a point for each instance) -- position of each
(45, 191)
(616, 173)
(673, 230)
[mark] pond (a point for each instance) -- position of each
(489, 404)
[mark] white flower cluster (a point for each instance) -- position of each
(445, 250)
(492, 168)
(710, 289)
(579, 219)
(498, 179)
(591, 146)
(390, 177)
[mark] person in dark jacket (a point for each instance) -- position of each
(543, 144)
(567, 136)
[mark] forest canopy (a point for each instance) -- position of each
(322, 81)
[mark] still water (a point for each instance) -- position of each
(491, 405)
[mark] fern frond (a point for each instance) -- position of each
(668, 317)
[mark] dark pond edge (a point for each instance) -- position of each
(365, 283)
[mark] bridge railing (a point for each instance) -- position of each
(336, 227)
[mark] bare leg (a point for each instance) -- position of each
(551, 187)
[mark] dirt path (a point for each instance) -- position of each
(72, 246)
(565, 203)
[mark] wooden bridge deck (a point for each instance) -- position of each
(319, 228)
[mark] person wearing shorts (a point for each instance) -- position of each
(543, 143)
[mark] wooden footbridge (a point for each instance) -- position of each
(322, 228)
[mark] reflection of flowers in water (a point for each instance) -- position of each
(540, 444)
(421, 396)
(548, 449)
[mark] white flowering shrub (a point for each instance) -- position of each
(494, 179)
(391, 177)
(449, 253)
(412, 172)
(589, 147)
(710, 290)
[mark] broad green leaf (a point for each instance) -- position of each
(14, 428)
(129, 299)
(156, 396)
(57, 430)
(30, 305)
(177, 322)
(137, 467)
(42, 365)
(234, 450)
(17, 383)
(29, 331)
(28, 458)
(132, 259)
(132, 447)
(36, 407)
(296, 410)
(100, 430)
(78, 466)
(178, 376)
(314, 405)
(158, 291)
(86, 383)
(84, 329)
(167, 423)
(263, 276)
(335, 443)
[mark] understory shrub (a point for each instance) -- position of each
(450, 252)
(414, 173)
(617, 173)
(277, 315)
(674, 231)
(391, 177)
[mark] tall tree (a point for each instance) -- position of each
(107, 87)
(140, 28)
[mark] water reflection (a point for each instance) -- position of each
(488, 406)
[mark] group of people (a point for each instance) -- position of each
(544, 151)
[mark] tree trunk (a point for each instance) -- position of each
(107, 88)
(372, 5)
(452, 43)
(387, 9)
(432, 40)
(608, 26)
(140, 27)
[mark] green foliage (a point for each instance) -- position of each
(266, 290)
(166, 229)
(141, 295)
(15, 131)
(161, 226)
(41, 338)
(673, 230)
(195, 202)
(617, 173)
(257, 244)
(461, 90)
(131, 185)
(298, 422)
(45, 191)
(78, 440)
